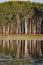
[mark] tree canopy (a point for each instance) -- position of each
(10, 10)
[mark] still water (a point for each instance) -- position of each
(8, 60)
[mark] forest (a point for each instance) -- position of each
(22, 18)
(11, 13)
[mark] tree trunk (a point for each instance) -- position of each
(19, 43)
(30, 40)
(3, 30)
(26, 48)
(22, 31)
(18, 31)
(33, 41)
(17, 40)
(11, 28)
(0, 30)
(39, 41)
(22, 27)
(7, 32)
(30, 27)
(3, 33)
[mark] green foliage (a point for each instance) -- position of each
(12, 10)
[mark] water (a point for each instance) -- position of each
(13, 62)
(8, 60)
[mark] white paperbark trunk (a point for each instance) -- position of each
(18, 31)
(3, 29)
(11, 29)
(26, 48)
(7, 32)
(3, 33)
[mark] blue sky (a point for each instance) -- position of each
(3, 0)
(41, 1)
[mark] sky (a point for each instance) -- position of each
(41, 1)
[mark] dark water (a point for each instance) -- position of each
(8, 60)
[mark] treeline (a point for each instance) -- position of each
(14, 12)
(22, 17)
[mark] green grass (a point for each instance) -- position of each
(20, 37)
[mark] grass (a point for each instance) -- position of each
(21, 36)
